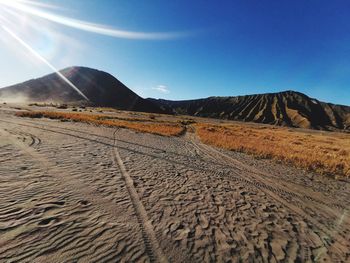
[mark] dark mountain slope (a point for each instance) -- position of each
(287, 108)
(101, 88)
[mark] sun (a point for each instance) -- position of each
(18, 10)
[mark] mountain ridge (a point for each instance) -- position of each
(286, 108)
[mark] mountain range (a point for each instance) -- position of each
(287, 108)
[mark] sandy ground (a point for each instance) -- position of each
(72, 192)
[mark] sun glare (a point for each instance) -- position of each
(24, 17)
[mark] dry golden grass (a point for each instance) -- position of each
(323, 152)
(165, 129)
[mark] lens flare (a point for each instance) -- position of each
(37, 55)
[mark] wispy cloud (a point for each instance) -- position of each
(26, 7)
(162, 88)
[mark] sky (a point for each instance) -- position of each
(184, 49)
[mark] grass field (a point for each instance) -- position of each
(165, 129)
(323, 152)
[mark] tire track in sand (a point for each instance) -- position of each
(87, 196)
(153, 249)
(252, 177)
(85, 192)
(28, 138)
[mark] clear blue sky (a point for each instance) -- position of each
(232, 48)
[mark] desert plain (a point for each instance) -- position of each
(79, 192)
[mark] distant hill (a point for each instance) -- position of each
(101, 88)
(288, 108)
